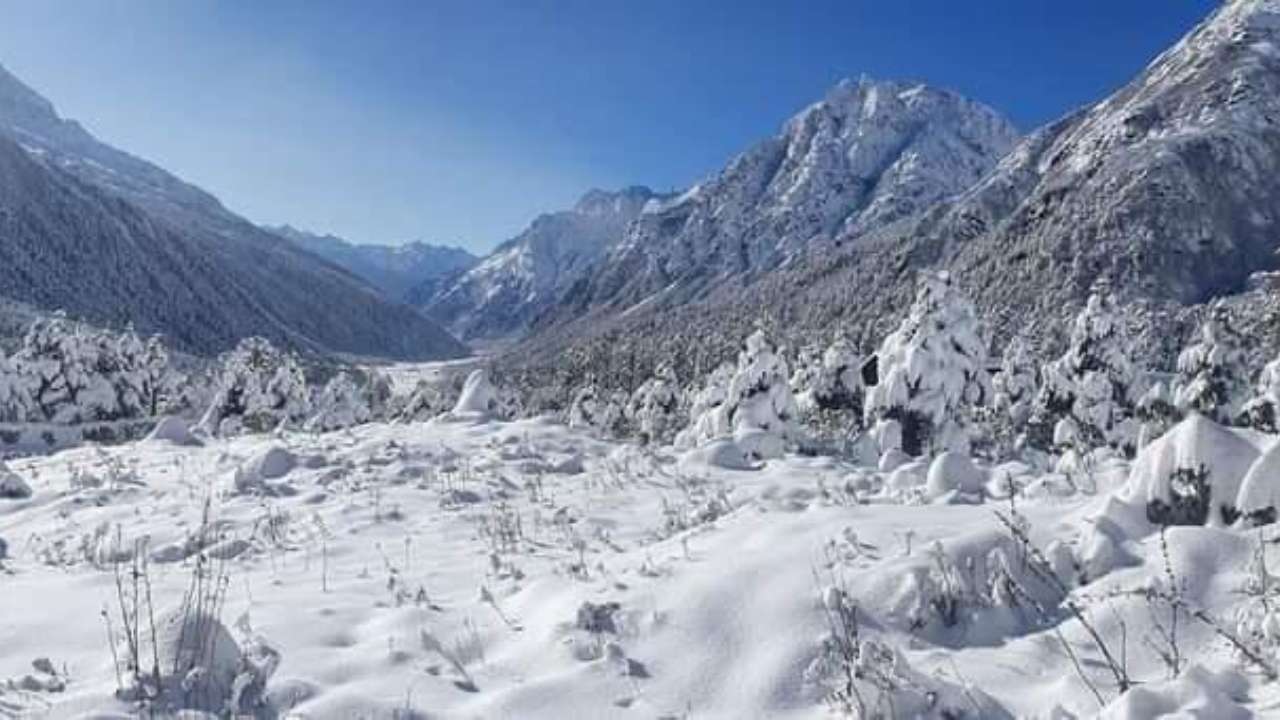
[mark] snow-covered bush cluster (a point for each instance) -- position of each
(67, 372)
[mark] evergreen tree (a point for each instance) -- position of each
(931, 369)
(1212, 379)
(15, 405)
(1014, 387)
(654, 408)
(752, 400)
(1263, 410)
(1156, 413)
(1087, 394)
(341, 404)
(596, 411)
(259, 388)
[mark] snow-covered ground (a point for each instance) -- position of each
(472, 568)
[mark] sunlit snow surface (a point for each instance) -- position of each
(364, 550)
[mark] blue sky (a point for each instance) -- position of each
(457, 122)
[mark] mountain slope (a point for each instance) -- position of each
(1168, 190)
(524, 276)
(394, 270)
(867, 154)
(102, 234)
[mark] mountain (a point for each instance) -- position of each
(1168, 191)
(395, 270)
(866, 155)
(97, 232)
(527, 274)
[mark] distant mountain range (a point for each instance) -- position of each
(397, 271)
(109, 237)
(529, 273)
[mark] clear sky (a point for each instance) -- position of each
(457, 122)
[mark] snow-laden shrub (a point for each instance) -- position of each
(341, 404)
(597, 411)
(755, 405)
(1212, 377)
(1192, 474)
(202, 667)
(1262, 411)
(931, 369)
(425, 402)
(1087, 394)
(258, 389)
(654, 408)
(865, 677)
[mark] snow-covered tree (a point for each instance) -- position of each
(596, 411)
(1087, 394)
(931, 369)
(755, 405)
(15, 405)
(378, 394)
(425, 402)
(259, 388)
(147, 380)
(1212, 377)
(69, 372)
(340, 404)
(702, 401)
(1263, 409)
(831, 381)
(53, 364)
(1014, 387)
(655, 406)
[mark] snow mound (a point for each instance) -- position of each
(203, 668)
(1260, 488)
(1197, 692)
(723, 453)
(1192, 444)
(953, 471)
(12, 487)
(479, 400)
(271, 464)
(173, 429)
(759, 444)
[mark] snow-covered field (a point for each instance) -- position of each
(468, 567)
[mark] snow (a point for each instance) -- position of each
(1195, 443)
(494, 568)
(174, 430)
